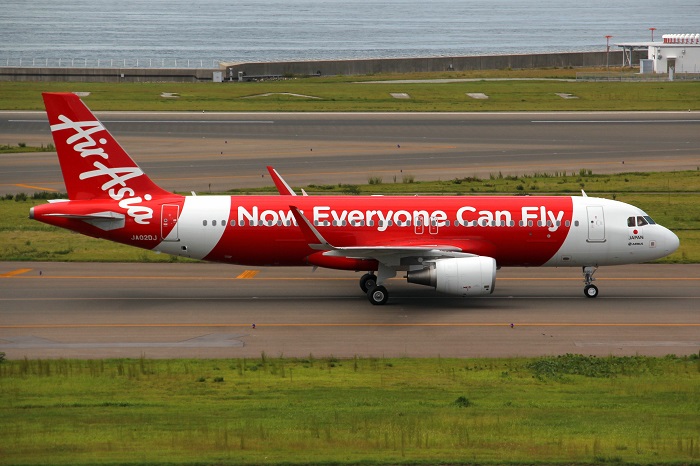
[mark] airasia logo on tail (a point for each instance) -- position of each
(115, 185)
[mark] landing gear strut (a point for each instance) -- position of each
(589, 290)
(371, 284)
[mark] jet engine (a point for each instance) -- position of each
(468, 276)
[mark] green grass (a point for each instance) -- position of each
(671, 198)
(346, 94)
(22, 147)
(563, 410)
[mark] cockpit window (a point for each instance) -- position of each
(640, 221)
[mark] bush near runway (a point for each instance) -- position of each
(554, 410)
(671, 198)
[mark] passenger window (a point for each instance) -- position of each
(641, 222)
(204, 223)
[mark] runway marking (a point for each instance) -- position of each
(248, 274)
(246, 122)
(358, 324)
(41, 188)
(614, 121)
(14, 273)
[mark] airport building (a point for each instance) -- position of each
(677, 53)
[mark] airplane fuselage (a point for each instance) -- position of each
(261, 230)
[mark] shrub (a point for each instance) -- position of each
(462, 402)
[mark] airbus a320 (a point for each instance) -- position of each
(453, 244)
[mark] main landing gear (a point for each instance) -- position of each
(377, 294)
(589, 290)
(367, 281)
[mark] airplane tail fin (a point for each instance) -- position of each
(94, 165)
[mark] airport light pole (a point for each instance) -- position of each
(652, 33)
(607, 52)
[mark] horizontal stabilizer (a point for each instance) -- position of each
(103, 220)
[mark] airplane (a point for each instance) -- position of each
(454, 244)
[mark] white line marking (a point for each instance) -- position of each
(234, 122)
(613, 121)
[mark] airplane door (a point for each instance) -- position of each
(168, 222)
(418, 225)
(596, 224)
(433, 227)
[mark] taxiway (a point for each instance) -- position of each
(62, 310)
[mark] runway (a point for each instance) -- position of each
(216, 152)
(62, 310)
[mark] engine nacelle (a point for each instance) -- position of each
(468, 276)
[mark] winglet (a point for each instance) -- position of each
(312, 235)
(282, 186)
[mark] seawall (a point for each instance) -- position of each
(417, 65)
(323, 68)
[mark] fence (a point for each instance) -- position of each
(161, 63)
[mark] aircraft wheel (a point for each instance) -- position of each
(368, 281)
(377, 295)
(591, 291)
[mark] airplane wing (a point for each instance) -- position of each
(282, 186)
(389, 255)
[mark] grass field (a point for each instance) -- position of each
(353, 93)
(557, 410)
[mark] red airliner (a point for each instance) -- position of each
(453, 244)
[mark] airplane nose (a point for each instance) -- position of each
(671, 241)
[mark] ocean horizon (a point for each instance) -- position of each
(284, 30)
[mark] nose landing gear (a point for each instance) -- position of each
(589, 290)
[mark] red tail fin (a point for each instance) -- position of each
(94, 165)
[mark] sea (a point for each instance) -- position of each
(205, 32)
